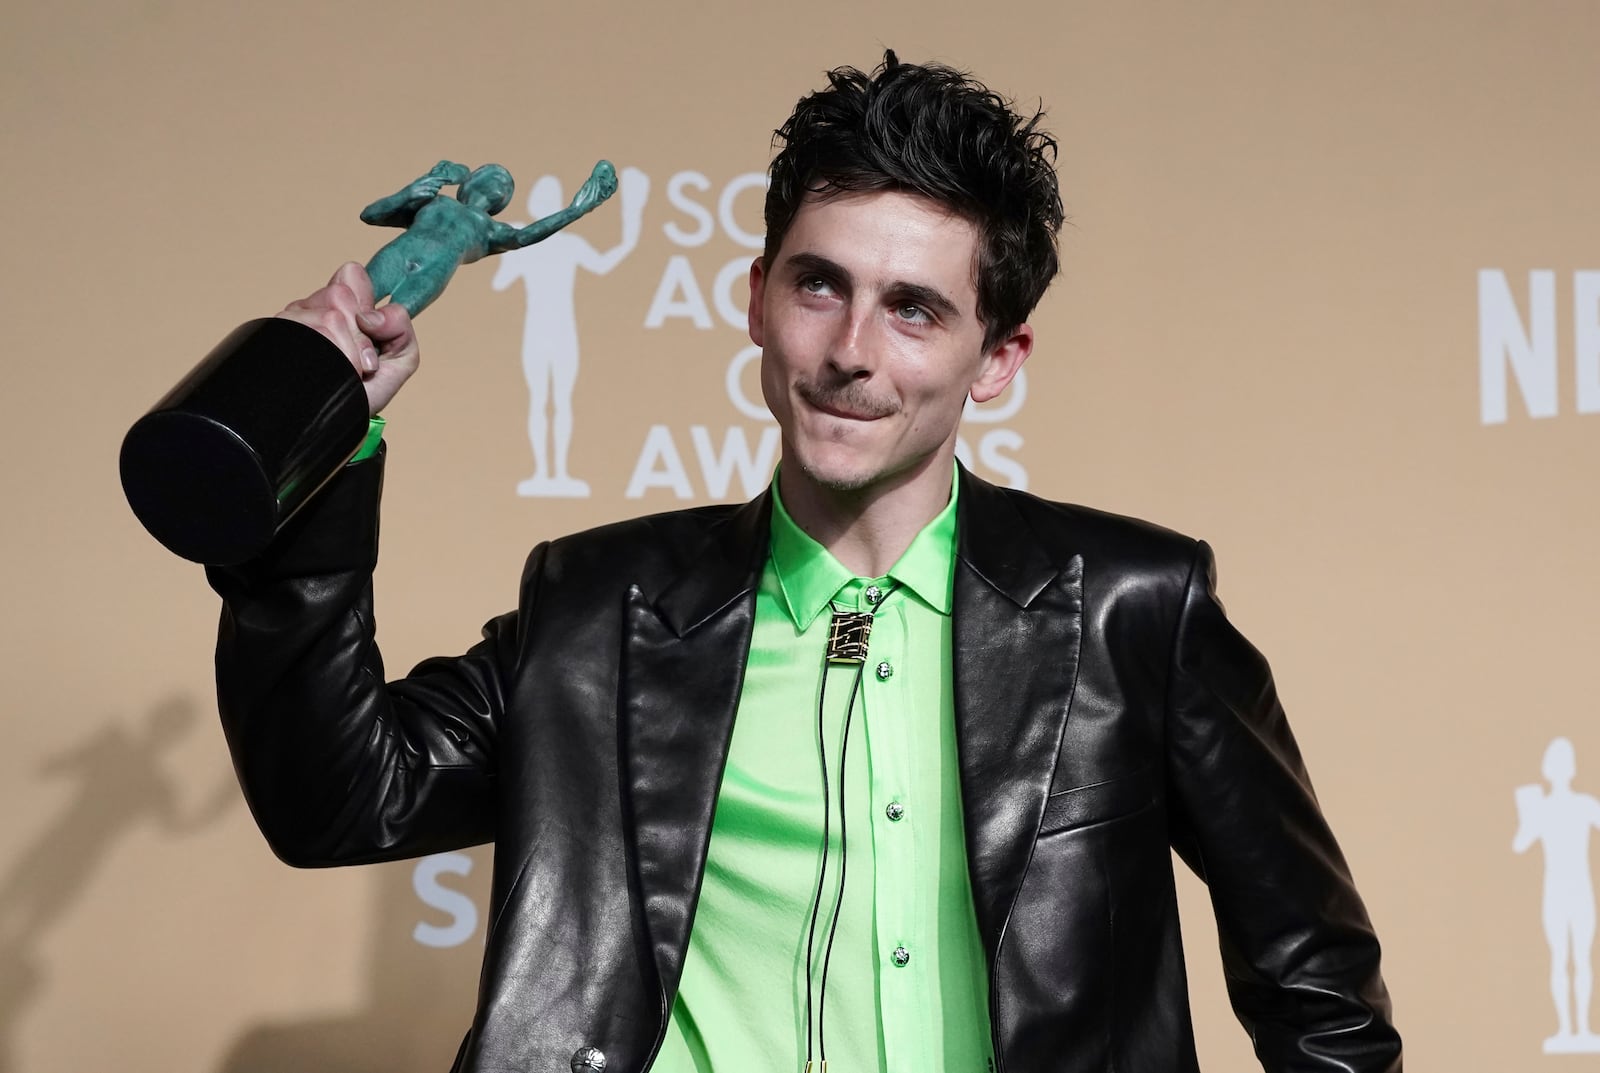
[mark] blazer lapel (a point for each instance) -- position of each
(683, 661)
(1018, 620)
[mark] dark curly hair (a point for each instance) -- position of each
(931, 130)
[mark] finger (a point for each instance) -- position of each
(399, 357)
(340, 297)
(321, 298)
(389, 327)
(335, 310)
(354, 276)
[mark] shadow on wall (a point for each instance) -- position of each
(416, 1006)
(119, 783)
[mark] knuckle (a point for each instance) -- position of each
(329, 321)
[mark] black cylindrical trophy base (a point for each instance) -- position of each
(243, 441)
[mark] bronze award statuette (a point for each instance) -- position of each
(216, 468)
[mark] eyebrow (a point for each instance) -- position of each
(920, 293)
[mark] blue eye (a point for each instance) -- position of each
(915, 314)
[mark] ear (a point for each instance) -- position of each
(758, 284)
(1001, 365)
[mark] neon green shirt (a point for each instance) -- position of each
(906, 982)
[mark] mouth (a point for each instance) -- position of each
(844, 403)
(845, 414)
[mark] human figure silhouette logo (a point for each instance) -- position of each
(549, 272)
(1560, 822)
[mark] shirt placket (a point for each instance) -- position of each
(886, 704)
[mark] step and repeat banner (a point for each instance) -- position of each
(1330, 300)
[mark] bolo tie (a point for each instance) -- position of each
(848, 633)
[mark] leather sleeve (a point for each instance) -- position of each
(338, 766)
(1299, 953)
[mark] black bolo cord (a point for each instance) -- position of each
(822, 874)
(838, 901)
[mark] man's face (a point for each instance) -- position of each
(870, 338)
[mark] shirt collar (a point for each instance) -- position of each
(809, 576)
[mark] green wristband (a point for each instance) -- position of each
(369, 446)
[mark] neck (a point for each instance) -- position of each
(867, 529)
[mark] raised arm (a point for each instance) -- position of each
(338, 765)
(635, 192)
(1530, 801)
(601, 184)
(398, 208)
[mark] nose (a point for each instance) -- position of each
(851, 350)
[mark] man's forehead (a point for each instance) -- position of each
(886, 236)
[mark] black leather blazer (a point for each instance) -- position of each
(1106, 712)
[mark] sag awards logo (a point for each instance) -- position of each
(1522, 345)
(1560, 820)
(738, 458)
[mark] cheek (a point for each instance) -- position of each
(793, 336)
(773, 388)
(939, 406)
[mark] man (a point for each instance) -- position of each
(885, 763)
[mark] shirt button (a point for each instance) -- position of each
(894, 810)
(873, 594)
(885, 671)
(901, 956)
(588, 1060)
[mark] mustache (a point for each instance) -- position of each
(846, 395)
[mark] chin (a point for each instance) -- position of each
(841, 482)
(853, 471)
(838, 474)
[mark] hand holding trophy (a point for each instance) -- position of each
(243, 441)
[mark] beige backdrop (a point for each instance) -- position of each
(1267, 334)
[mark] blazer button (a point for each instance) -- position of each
(588, 1060)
